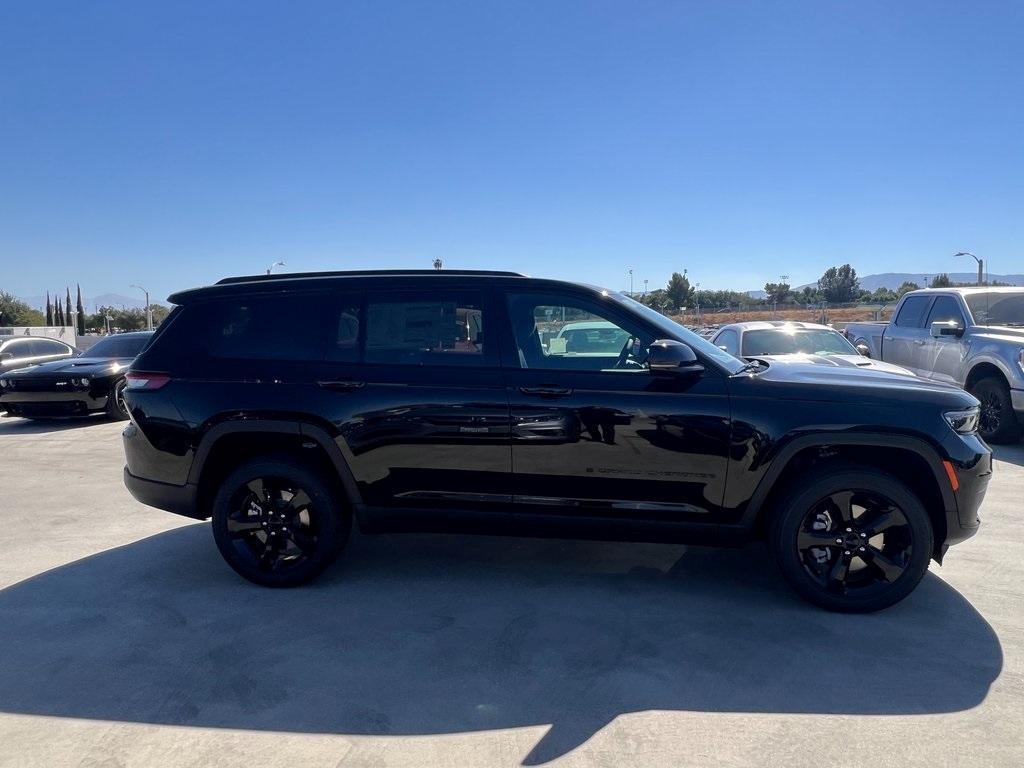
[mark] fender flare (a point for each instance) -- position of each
(299, 429)
(823, 440)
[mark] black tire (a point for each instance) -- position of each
(278, 522)
(116, 408)
(998, 421)
(810, 539)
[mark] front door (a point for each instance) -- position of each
(944, 355)
(594, 433)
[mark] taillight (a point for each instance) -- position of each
(137, 380)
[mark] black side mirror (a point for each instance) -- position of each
(942, 328)
(672, 358)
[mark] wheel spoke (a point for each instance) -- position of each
(837, 576)
(883, 520)
(258, 489)
(237, 527)
(809, 539)
(299, 501)
(843, 504)
(268, 559)
(889, 569)
(304, 541)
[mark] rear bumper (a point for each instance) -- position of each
(179, 499)
(43, 404)
(1017, 401)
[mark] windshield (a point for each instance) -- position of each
(117, 346)
(997, 307)
(674, 330)
(786, 341)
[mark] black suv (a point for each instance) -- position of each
(283, 406)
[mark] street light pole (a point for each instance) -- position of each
(275, 264)
(981, 265)
(149, 315)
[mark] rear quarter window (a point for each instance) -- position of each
(911, 314)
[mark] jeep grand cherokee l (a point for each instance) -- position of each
(285, 406)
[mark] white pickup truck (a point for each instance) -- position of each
(972, 337)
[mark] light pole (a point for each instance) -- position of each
(645, 289)
(275, 264)
(981, 265)
(696, 299)
(631, 282)
(149, 315)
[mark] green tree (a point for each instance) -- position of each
(907, 287)
(80, 316)
(839, 284)
(14, 311)
(777, 293)
(941, 280)
(678, 291)
(809, 295)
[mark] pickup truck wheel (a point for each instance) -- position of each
(278, 523)
(998, 423)
(851, 539)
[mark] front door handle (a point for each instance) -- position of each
(345, 385)
(546, 391)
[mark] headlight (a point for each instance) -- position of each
(81, 382)
(3, 383)
(963, 422)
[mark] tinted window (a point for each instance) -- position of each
(574, 334)
(117, 346)
(267, 327)
(944, 309)
(730, 340)
(435, 328)
(19, 348)
(997, 308)
(344, 346)
(786, 341)
(912, 312)
(49, 347)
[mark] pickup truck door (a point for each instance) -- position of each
(906, 336)
(943, 356)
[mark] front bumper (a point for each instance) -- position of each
(1017, 401)
(44, 404)
(971, 460)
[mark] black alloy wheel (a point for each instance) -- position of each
(278, 523)
(852, 539)
(998, 422)
(117, 408)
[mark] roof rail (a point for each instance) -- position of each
(363, 273)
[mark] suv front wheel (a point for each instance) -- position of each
(278, 523)
(851, 539)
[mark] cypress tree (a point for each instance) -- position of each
(81, 312)
(49, 310)
(67, 307)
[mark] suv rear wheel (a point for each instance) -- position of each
(852, 539)
(278, 523)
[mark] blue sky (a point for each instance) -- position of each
(174, 143)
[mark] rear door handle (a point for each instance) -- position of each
(340, 386)
(546, 391)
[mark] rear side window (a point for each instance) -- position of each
(436, 328)
(261, 327)
(912, 312)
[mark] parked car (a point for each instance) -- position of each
(971, 337)
(88, 382)
(791, 341)
(285, 406)
(595, 337)
(19, 351)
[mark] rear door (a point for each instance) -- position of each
(413, 389)
(906, 336)
(594, 433)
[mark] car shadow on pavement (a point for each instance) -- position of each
(432, 634)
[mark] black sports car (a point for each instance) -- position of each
(89, 382)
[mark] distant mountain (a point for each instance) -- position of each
(103, 300)
(893, 280)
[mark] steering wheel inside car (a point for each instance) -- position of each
(624, 360)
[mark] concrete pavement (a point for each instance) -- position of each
(125, 641)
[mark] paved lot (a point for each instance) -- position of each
(124, 641)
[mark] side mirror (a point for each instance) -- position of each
(5, 356)
(863, 349)
(942, 328)
(672, 358)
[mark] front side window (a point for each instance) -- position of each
(944, 310)
(568, 333)
(729, 341)
(436, 328)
